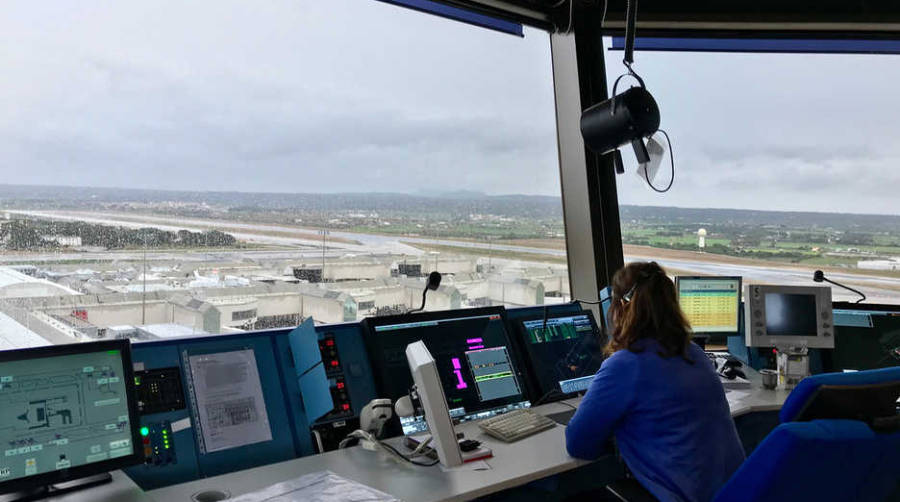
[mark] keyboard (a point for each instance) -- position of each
(515, 425)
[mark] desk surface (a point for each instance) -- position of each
(513, 464)
(756, 398)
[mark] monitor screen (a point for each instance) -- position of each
(791, 314)
(605, 304)
(866, 336)
(565, 354)
(66, 412)
(711, 304)
(477, 366)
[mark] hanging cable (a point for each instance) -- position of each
(571, 15)
(630, 21)
(603, 17)
(628, 58)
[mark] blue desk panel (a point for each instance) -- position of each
(348, 368)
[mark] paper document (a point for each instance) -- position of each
(230, 403)
(323, 486)
(737, 395)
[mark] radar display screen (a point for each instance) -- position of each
(564, 352)
(60, 412)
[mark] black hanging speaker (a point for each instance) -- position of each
(625, 118)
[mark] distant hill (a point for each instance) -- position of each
(533, 206)
(460, 202)
(742, 217)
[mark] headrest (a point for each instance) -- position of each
(874, 404)
(861, 395)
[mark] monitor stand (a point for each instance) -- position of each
(57, 489)
(792, 364)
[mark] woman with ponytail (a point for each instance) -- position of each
(658, 395)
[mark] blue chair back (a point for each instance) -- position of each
(797, 402)
(822, 460)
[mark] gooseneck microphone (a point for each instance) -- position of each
(434, 280)
(819, 276)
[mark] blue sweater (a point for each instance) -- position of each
(670, 419)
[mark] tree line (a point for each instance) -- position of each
(34, 234)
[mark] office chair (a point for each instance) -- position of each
(840, 441)
(822, 460)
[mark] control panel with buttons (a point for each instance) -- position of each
(158, 443)
(346, 363)
(334, 369)
(330, 357)
(159, 390)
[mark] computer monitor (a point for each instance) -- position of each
(66, 412)
(431, 393)
(605, 303)
(564, 355)
(712, 304)
(788, 316)
(866, 336)
(478, 366)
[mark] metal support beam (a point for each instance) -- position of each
(590, 203)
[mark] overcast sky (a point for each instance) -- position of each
(358, 95)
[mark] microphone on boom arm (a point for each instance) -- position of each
(434, 280)
(819, 276)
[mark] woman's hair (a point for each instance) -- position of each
(644, 306)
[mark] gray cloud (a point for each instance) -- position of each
(359, 95)
(344, 96)
(775, 131)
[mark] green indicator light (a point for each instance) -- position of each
(145, 431)
(112, 352)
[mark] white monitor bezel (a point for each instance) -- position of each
(755, 317)
(679, 280)
(434, 403)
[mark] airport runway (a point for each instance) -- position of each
(877, 288)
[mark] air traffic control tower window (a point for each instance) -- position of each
(778, 172)
(169, 167)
